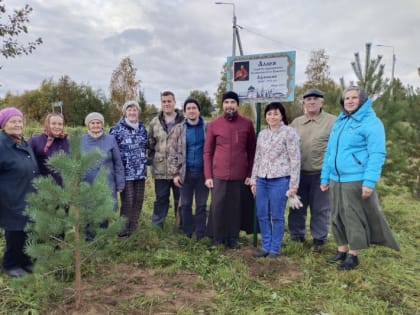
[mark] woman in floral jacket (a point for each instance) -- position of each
(276, 170)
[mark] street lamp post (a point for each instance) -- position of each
(235, 33)
(394, 59)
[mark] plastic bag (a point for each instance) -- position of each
(294, 202)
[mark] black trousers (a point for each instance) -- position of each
(161, 206)
(14, 255)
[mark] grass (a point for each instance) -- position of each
(162, 272)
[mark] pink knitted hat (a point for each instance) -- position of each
(8, 112)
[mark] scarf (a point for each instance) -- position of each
(17, 139)
(135, 125)
(48, 133)
(95, 135)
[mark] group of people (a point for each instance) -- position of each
(124, 157)
(331, 163)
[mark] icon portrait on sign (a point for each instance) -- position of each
(241, 70)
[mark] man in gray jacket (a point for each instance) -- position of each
(187, 166)
(161, 128)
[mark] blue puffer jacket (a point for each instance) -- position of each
(133, 145)
(356, 148)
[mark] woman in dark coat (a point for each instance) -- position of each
(51, 141)
(18, 167)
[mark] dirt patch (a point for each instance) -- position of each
(126, 289)
(131, 290)
(271, 272)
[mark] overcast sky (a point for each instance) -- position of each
(181, 45)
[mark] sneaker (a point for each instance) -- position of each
(339, 256)
(273, 256)
(349, 263)
(260, 254)
(15, 272)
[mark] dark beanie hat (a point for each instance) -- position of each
(231, 95)
(192, 100)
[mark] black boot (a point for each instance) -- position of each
(316, 245)
(339, 256)
(349, 263)
(260, 253)
(232, 243)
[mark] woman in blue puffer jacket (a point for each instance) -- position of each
(352, 167)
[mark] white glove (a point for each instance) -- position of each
(294, 202)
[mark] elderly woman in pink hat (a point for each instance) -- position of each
(18, 167)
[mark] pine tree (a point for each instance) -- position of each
(400, 115)
(61, 215)
(370, 77)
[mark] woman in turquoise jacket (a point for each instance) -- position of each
(352, 167)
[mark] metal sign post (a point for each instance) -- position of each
(262, 78)
(58, 104)
(255, 231)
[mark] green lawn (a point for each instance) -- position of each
(161, 272)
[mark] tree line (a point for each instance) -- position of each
(397, 105)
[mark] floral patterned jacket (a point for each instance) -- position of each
(277, 155)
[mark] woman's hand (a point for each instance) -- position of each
(323, 187)
(366, 192)
(291, 192)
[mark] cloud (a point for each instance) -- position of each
(182, 45)
(128, 41)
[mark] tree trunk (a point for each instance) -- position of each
(78, 262)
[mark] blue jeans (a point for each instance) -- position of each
(193, 185)
(271, 201)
